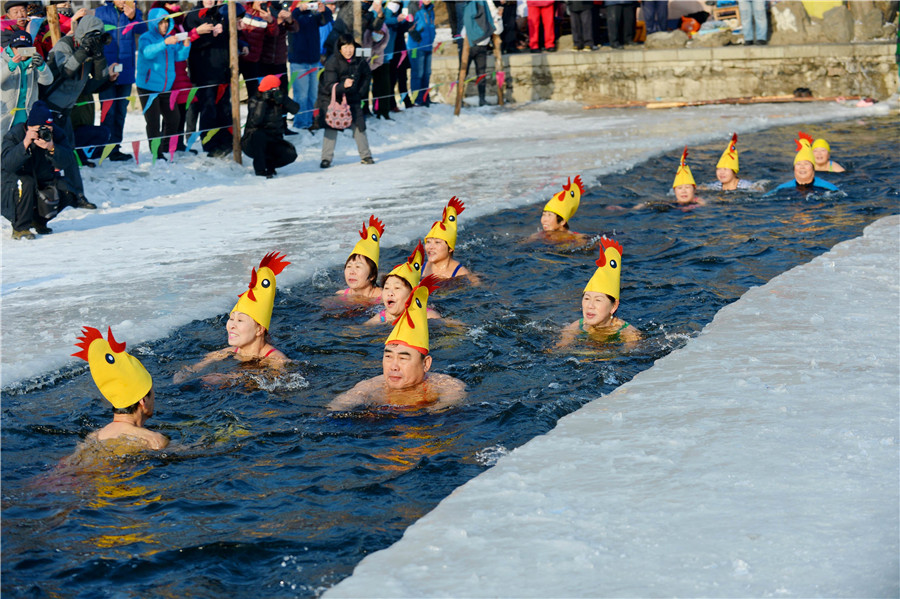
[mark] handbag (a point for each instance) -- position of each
(338, 115)
(48, 202)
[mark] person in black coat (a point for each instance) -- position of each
(32, 151)
(349, 75)
(263, 138)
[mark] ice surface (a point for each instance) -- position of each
(759, 460)
(171, 243)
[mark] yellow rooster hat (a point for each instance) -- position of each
(121, 377)
(258, 300)
(446, 228)
(368, 246)
(565, 203)
(804, 148)
(411, 270)
(683, 176)
(411, 329)
(609, 269)
(729, 157)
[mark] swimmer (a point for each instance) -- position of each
(822, 152)
(126, 384)
(441, 242)
(396, 287)
(684, 186)
(559, 211)
(361, 267)
(406, 380)
(599, 302)
(804, 170)
(248, 323)
(727, 170)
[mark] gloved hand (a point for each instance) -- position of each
(37, 60)
(81, 55)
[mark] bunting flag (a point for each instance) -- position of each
(402, 56)
(501, 78)
(173, 145)
(173, 99)
(109, 27)
(209, 135)
(316, 113)
(376, 104)
(436, 48)
(131, 102)
(192, 139)
(154, 148)
(320, 73)
(425, 97)
(294, 78)
(150, 100)
(129, 27)
(78, 159)
(105, 105)
(136, 148)
(403, 96)
(221, 91)
(414, 53)
(190, 97)
(452, 83)
(480, 77)
(413, 94)
(107, 150)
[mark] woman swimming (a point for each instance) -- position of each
(361, 267)
(397, 285)
(822, 152)
(727, 170)
(440, 243)
(599, 302)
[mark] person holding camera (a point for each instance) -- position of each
(274, 57)
(346, 77)
(304, 55)
(15, 18)
(263, 138)
(22, 70)
(157, 54)
(31, 153)
(118, 16)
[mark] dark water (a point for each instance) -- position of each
(264, 494)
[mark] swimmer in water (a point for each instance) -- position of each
(727, 170)
(396, 287)
(248, 323)
(805, 178)
(559, 211)
(684, 186)
(441, 242)
(406, 380)
(823, 162)
(361, 267)
(126, 384)
(599, 302)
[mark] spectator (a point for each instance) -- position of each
(582, 25)
(16, 17)
(274, 56)
(304, 53)
(182, 86)
(31, 153)
(754, 23)
(480, 21)
(348, 75)
(40, 29)
(20, 78)
(620, 22)
(78, 65)
(377, 41)
(118, 16)
(510, 35)
(656, 15)
(90, 139)
(422, 35)
(254, 27)
(398, 22)
(263, 138)
(540, 13)
(157, 54)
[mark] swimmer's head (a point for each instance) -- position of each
(821, 152)
(597, 308)
(394, 291)
(445, 229)
(685, 194)
(360, 272)
(551, 221)
(729, 157)
(403, 367)
(120, 377)
(257, 302)
(804, 172)
(411, 270)
(243, 330)
(566, 202)
(369, 246)
(411, 328)
(683, 175)
(607, 277)
(725, 175)
(146, 403)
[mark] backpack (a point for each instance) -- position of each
(477, 21)
(338, 115)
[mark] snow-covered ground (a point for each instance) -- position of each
(760, 460)
(173, 242)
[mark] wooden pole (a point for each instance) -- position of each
(357, 21)
(53, 23)
(235, 81)
(460, 83)
(498, 66)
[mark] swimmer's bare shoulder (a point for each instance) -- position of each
(121, 431)
(450, 391)
(361, 394)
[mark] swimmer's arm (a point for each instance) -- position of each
(156, 440)
(568, 335)
(211, 357)
(631, 335)
(431, 313)
(276, 359)
(837, 168)
(357, 396)
(473, 278)
(452, 392)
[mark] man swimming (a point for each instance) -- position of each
(406, 380)
(805, 178)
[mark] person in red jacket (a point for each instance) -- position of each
(540, 12)
(253, 28)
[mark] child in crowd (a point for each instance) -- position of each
(361, 267)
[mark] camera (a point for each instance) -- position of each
(94, 41)
(182, 35)
(45, 133)
(277, 7)
(364, 52)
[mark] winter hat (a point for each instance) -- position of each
(119, 376)
(565, 203)
(17, 39)
(821, 143)
(257, 302)
(683, 176)
(369, 246)
(39, 114)
(729, 157)
(269, 82)
(446, 227)
(804, 148)
(609, 269)
(14, 3)
(411, 270)
(411, 329)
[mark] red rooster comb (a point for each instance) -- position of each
(684, 156)
(801, 135)
(733, 140)
(249, 291)
(609, 243)
(420, 249)
(455, 203)
(274, 262)
(89, 335)
(578, 182)
(373, 222)
(431, 282)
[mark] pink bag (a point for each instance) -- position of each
(338, 116)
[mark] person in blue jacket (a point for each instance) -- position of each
(804, 170)
(120, 14)
(157, 54)
(304, 52)
(421, 45)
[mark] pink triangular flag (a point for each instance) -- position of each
(501, 78)
(402, 56)
(376, 104)
(136, 148)
(173, 144)
(173, 99)
(105, 105)
(452, 83)
(129, 27)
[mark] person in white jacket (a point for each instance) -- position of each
(21, 72)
